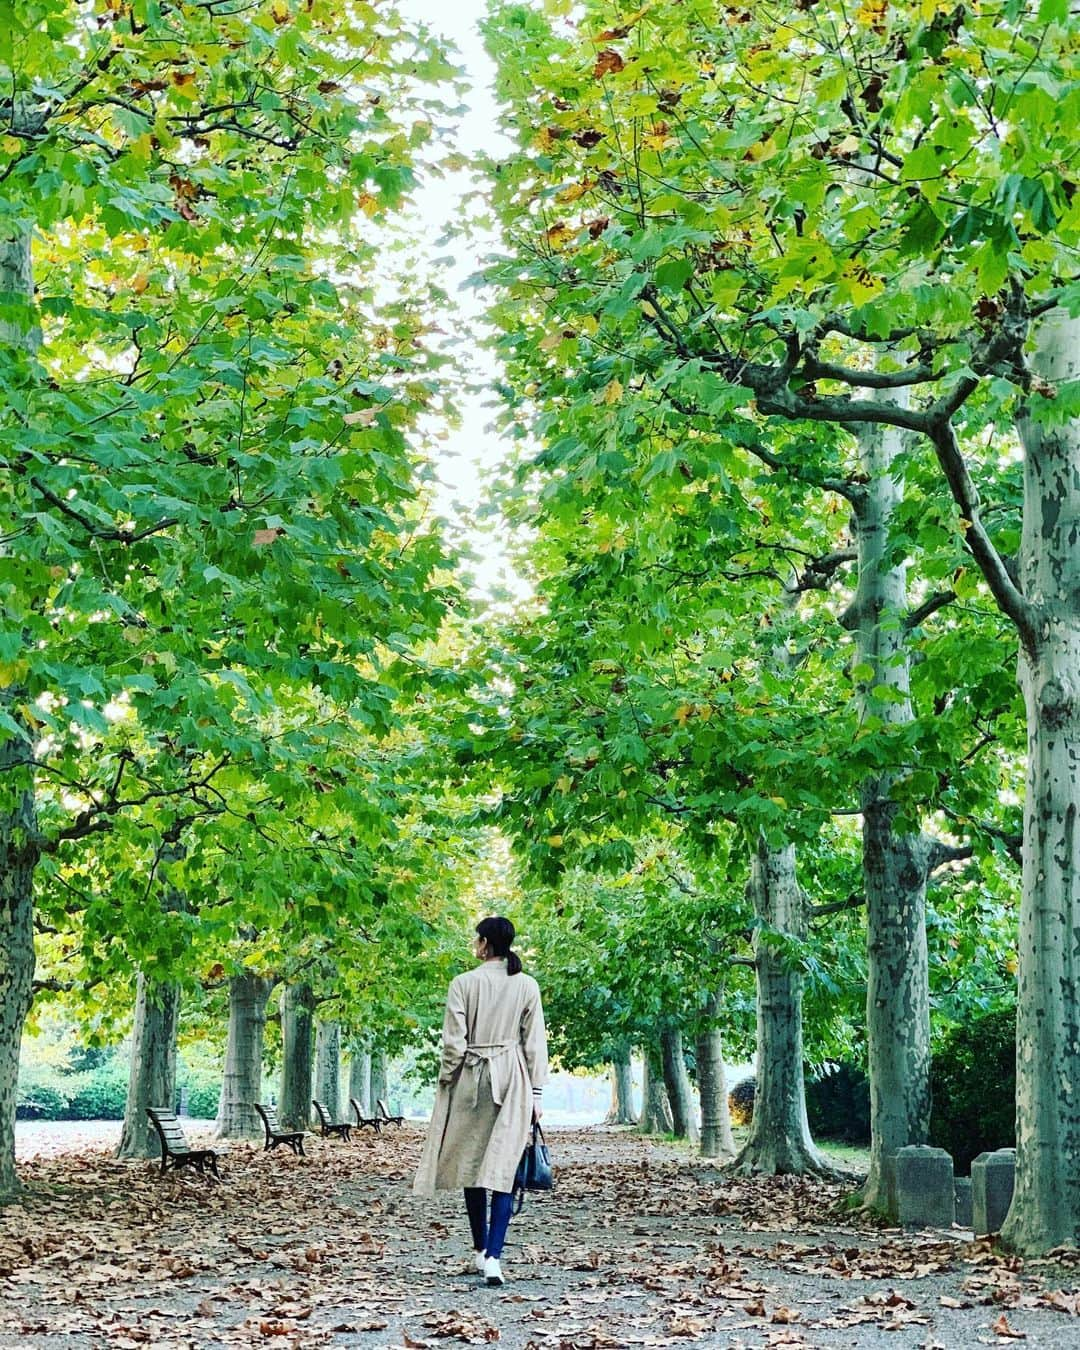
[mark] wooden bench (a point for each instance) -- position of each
(362, 1120)
(175, 1148)
(385, 1115)
(338, 1127)
(275, 1134)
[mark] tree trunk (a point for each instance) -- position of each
(655, 1108)
(622, 1090)
(18, 806)
(1045, 1211)
(677, 1081)
(895, 863)
(241, 1084)
(152, 1079)
(779, 1141)
(716, 1137)
(297, 1025)
(360, 1080)
(328, 1066)
(378, 1077)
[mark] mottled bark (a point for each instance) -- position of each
(716, 1137)
(18, 807)
(677, 1081)
(1045, 1211)
(779, 1142)
(895, 862)
(621, 1077)
(655, 1108)
(328, 1066)
(360, 1080)
(152, 1077)
(378, 1077)
(297, 1027)
(241, 1084)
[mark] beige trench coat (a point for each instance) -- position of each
(494, 1053)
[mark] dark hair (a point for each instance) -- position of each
(498, 933)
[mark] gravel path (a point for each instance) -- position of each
(640, 1245)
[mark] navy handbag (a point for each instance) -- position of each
(534, 1169)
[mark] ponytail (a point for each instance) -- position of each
(498, 933)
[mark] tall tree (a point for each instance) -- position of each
(725, 268)
(209, 490)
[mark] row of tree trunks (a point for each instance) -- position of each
(241, 1085)
(328, 1066)
(621, 1077)
(779, 1141)
(297, 1043)
(677, 1082)
(655, 1108)
(360, 1079)
(152, 1077)
(717, 1140)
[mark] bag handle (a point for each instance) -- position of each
(518, 1192)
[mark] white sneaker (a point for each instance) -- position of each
(493, 1271)
(478, 1259)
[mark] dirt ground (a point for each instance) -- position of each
(641, 1244)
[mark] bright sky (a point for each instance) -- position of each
(473, 448)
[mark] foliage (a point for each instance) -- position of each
(741, 1100)
(838, 1103)
(974, 1087)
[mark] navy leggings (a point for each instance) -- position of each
(488, 1237)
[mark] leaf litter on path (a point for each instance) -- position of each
(640, 1245)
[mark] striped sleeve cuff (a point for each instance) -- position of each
(537, 1093)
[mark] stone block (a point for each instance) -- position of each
(962, 1195)
(924, 1187)
(993, 1176)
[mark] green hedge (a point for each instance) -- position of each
(101, 1093)
(203, 1088)
(838, 1103)
(973, 1081)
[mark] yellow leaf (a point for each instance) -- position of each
(613, 392)
(705, 711)
(564, 783)
(140, 283)
(364, 417)
(11, 672)
(11, 144)
(684, 712)
(550, 341)
(559, 235)
(279, 11)
(554, 841)
(368, 204)
(573, 192)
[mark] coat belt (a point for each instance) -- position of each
(479, 1058)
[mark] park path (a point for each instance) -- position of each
(640, 1245)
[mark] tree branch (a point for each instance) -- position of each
(942, 854)
(1012, 600)
(928, 607)
(95, 531)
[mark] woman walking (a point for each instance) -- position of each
(494, 1065)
